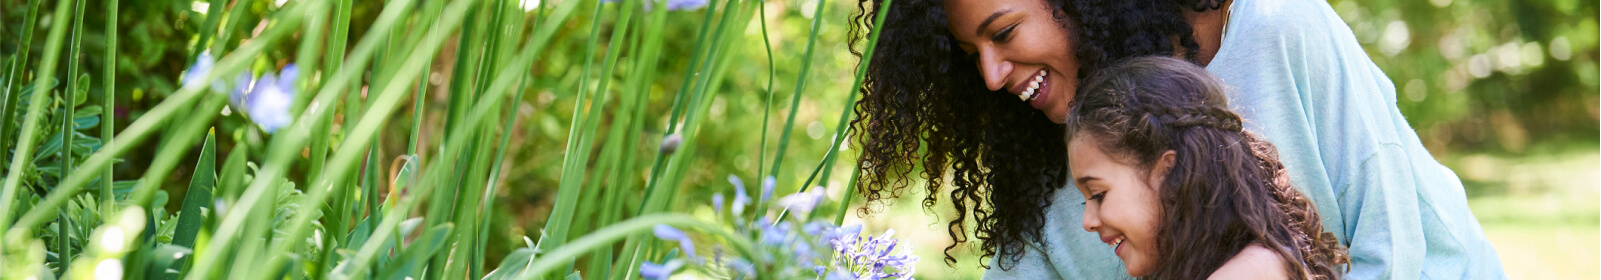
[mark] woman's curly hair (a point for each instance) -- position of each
(1226, 188)
(924, 107)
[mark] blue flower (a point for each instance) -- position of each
(871, 257)
(740, 198)
(198, 71)
(270, 97)
(666, 232)
(654, 271)
(680, 5)
(672, 5)
(717, 203)
(775, 234)
(803, 202)
(267, 100)
(767, 188)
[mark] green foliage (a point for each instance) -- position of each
(546, 122)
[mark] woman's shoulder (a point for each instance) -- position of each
(1278, 17)
(1253, 262)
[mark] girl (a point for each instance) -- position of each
(1178, 190)
(970, 94)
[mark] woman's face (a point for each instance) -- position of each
(1120, 201)
(1020, 48)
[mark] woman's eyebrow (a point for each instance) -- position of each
(1086, 179)
(990, 19)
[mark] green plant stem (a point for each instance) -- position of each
(800, 86)
(108, 99)
(767, 103)
(30, 124)
(68, 127)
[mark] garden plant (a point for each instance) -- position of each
(289, 180)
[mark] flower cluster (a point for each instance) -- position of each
(857, 257)
(813, 250)
(266, 100)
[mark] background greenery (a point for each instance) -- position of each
(1503, 92)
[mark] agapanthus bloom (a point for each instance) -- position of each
(199, 70)
(871, 257)
(740, 198)
(267, 100)
(803, 202)
(655, 271)
(666, 232)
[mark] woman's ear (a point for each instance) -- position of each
(1162, 165)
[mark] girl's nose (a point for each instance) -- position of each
(1092, 219)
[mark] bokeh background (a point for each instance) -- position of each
(1503, 92)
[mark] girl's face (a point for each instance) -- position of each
(1120, 201)
(1021, 49)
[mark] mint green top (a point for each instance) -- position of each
(1298, 76)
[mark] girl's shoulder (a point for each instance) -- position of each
(1253, 262)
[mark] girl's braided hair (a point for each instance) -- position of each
(1226, 189)
(925, 109)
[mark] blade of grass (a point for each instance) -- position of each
(208, 28)
(13, 95)
(199, 194)
(559, 224)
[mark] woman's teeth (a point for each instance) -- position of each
(1033, 86)
(1119, 241)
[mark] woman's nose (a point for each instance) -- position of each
(1092, 219)
(994, 67)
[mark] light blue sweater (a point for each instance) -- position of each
(1299, 78)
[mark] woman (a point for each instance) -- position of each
(942, 96)
(1178, 190)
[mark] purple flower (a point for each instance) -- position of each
(654, 271)
(666, 232)
(740, 198)
(672, 5)
(803, 202)
(767, 188)
(774, 234)
(198, 71)
(717, 203)
(267, 100)
(680, 5)
(870, 257)
(742, 267)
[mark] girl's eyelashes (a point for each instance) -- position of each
(1097, 197)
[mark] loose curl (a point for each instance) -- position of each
(1226, 188)
(924, 106)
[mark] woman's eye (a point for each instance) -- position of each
(1004, 34)
(972, 56)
